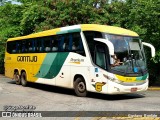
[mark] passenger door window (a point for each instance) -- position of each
(100, 56)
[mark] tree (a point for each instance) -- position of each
(142, 17)
(2, 2)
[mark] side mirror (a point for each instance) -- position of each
(152, 48)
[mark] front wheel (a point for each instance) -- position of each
(80, 87)
(23, 79)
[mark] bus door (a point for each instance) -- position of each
(101, 60)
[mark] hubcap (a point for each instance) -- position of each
(16, 77)
(23, 80)
(81, 87)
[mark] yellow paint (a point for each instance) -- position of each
(39, 34)
(108, 29)
(31, 68)
(76, 62)
(126, 79)
(84, 27)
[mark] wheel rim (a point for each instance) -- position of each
(81, 87)
(23, 80)
(16, 77)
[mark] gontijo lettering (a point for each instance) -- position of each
(27, 58)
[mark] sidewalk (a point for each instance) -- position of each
(154, 88)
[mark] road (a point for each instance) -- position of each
(51, 98)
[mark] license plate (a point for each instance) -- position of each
(133, 89)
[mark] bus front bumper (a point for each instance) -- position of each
(115, 88)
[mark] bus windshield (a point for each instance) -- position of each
(129, 57)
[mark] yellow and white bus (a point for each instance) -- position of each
(86, 57)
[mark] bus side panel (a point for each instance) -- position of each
(10, 65)
(30, 63)
(79, 66)
(9, 70)
(50, 68)
(63, 77)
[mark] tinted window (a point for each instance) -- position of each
(100, 55)
(90, 35)
(71, 42)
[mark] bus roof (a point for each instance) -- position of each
(82, 27)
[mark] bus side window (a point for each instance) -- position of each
(100, 56)
(33, 45)
(90, 35)
(77, 45)
(47, 44)
(70, 44)
(11, 47)
(18, 47)
(81, 48)
(61, 44)
(23, 46)
(40, 45)
(29, 46)
(54, 43)
(66, 46)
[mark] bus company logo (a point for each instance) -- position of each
(21, 114)
(76, 61)
(98, 86)
(6, 114)
(27, 58)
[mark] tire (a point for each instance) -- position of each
(24, 79)
(80, 87)
(16, 77)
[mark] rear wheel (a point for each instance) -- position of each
(80, 87)
(16, 77)
(24, 79)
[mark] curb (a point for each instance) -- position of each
(154, 88)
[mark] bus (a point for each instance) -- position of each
(86, 58)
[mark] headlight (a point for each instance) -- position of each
(112, 79)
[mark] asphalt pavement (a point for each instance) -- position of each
(51, 98)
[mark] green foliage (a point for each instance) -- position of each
(144, 19)
(2, 49)
(10, 16)
(32, 17)
(141, 16)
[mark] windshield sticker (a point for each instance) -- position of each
(96, 69)
(135, 69)
(134, 45)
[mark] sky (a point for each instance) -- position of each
(14, 2)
